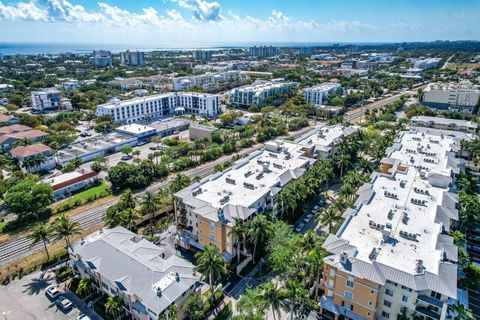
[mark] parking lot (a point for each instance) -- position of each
(25, 299)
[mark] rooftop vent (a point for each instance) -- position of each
(343, 257)
(419, 267)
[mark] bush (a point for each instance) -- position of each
(64, 273)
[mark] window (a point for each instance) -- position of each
(372, 291)
(348, 295)
(349, 283)
(389, 292)
(387, 303)
(331, 283)
(386, 315)
(212, 237)
(332, 272)
(404, 298)
(392, 283)
(407, 289)
(370, 303)
(347, 305)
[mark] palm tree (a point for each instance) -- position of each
(84, 286)
(129, 217)
(64, 228)
(239, 230)
(461, 312)
(272, 296)
(41, 232)
(113, 306)
(285, 200)
(258, 231)
(328, 217)
(295, 294)
(179, 182)
(170, 313)
(210, 263)
(364, 166)
(342, 160)
(150, 205)
(314, 265)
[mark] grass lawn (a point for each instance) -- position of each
(83, 196)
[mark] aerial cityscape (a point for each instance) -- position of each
(239, 160)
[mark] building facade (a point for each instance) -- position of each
(262, 51)
(316, 95)
(207, 81)
(444, 124)
(70, 182)
(161, 105)
(463, 96)
(259, 92)
(122, 264)
(132, 58)
(425, 64)
(34, 158)
(202, 55)
(45, 100)
(102, 58)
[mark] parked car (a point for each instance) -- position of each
(64, 304)
(126, 157)
(299, 227)
(52, 291)
(153, 148)
(307, 218)
(82, 316)
(142, 143)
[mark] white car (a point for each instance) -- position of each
(299, 227)
(307, 218)
(83, 317)
(52, 292)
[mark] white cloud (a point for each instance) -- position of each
(23, 11)
(202, 10)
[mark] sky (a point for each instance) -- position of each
(183, 22)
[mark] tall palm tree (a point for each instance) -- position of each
(258, 231)
(239, 231)
(295, 294)
(461, 313)
(342, 161)
(84, 286)
(113, 306)
(41, 232)
(179, 182)
(150, 205)
(328, 217)
(314, 265)
(285, 201)
(64, 228)
(211, 264)
(272, 297)
(129, 217)
(170, 313)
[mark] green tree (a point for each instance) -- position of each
(329, 217)
(295, 294)
(170, 313)
(272, 296)
(212, 266)
(179, 182)
(127, 150)
(342, 160)
(192, 308)
(64, 228)
(258, 231)
(128, 218)
(99, 164)
(41, 233)
(113, 306)
(84, 287)
(461, 312)
(29, 197)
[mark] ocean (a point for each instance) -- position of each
(81, 48)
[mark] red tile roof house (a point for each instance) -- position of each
(28, 155)
(7, 120)
(11, 134)
(67, 183)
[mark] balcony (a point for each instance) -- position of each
(427, 314)
(430, 300)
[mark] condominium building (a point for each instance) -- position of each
(444, 124)
(258, 92)
(463, 96)
(161, 105)
(132, 58)
(322, 143)
(207, 81)
(10, 135)
(425, 64)
(207, 211)
(202, 55)
(34, 158)
(48, 99)
(262, 51)
(393, 254)
(122, 264)
(315, 95)
(101, 58)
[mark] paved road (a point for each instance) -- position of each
(22, 246)
(354, 114)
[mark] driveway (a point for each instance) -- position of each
(25, 299)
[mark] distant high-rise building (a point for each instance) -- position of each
(102, 58)
(132, 58)
(305, 51)
(202, 55)
(262, 51)
(425, 64)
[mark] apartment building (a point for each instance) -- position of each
(463, 96)
(161, 105)
(262, 51)
(34, 158)
(393, 254)
(323, 142)
(48, 99)
(258, 92)
(317, 94)
(132, 58)
(101, 58)
(122, 264)
(444, 124)
(9, 135)
(425, 64)
(207, 211)
(202, 55)
(207, 81)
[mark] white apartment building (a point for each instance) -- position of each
(48, 99)
(315, 95)
(463, 96)
(425, 64)
(444, 124)
(406, 261)
(206, 81)
(322, 143)
(258, 92)
(161, 105)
